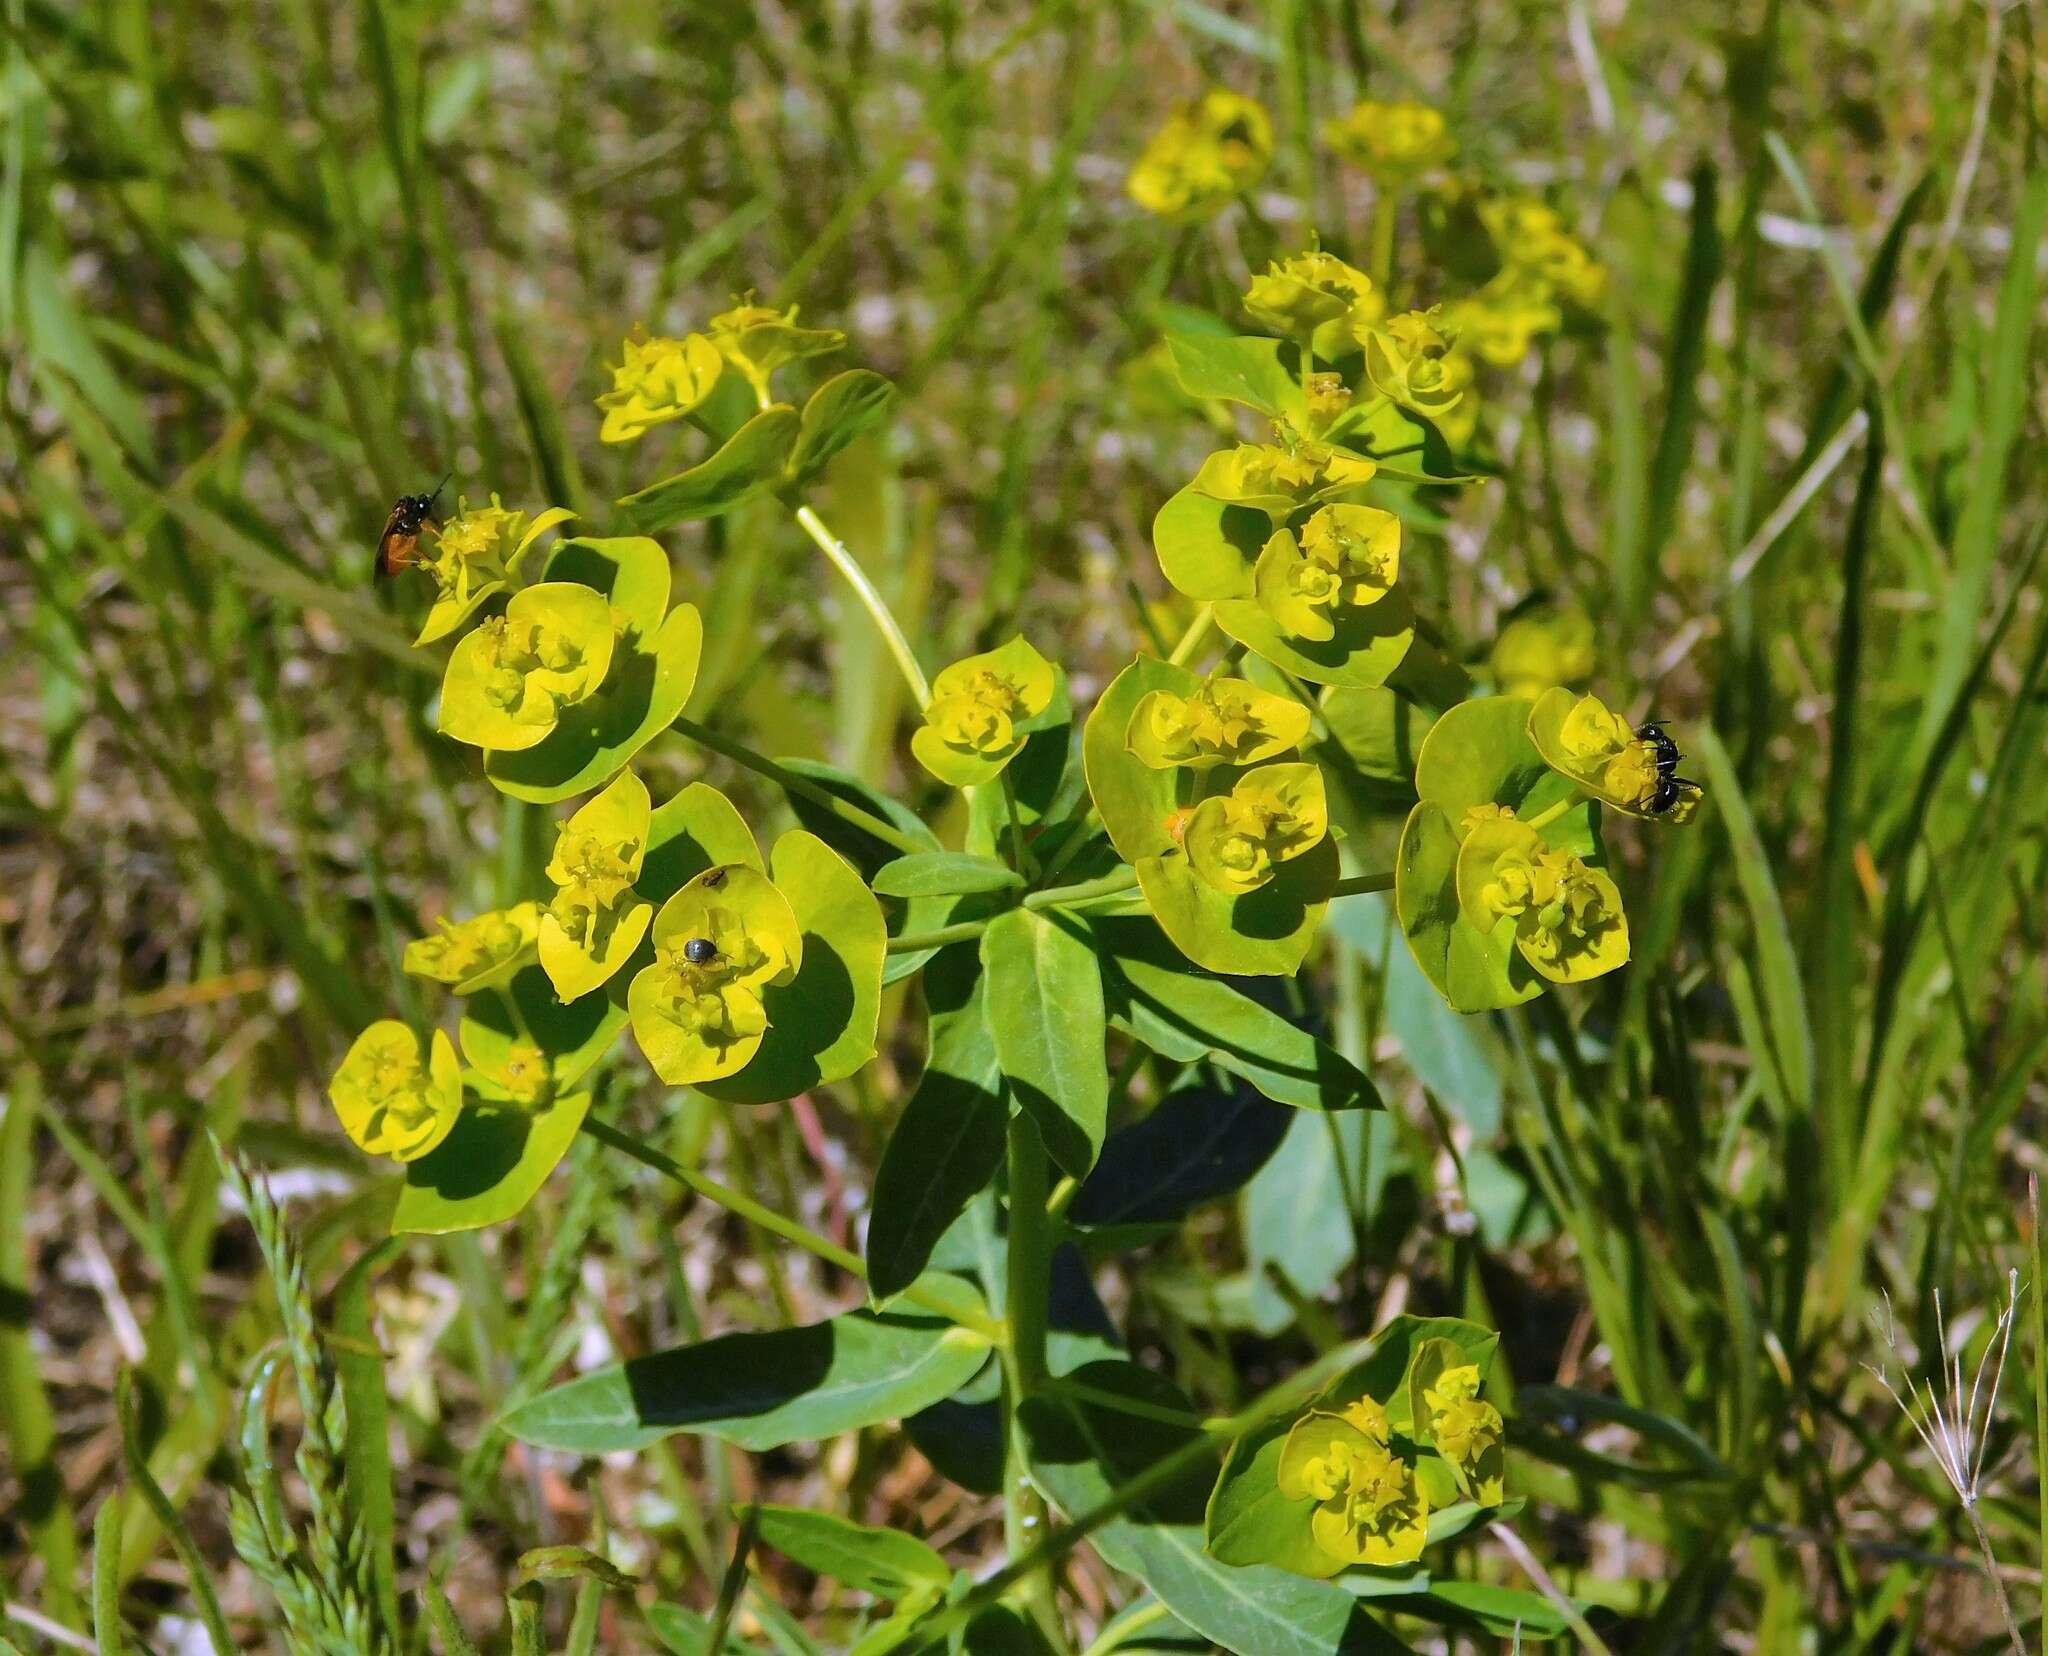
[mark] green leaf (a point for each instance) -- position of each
(695, 828)
(1240, 368)
(839, 411)
(859, 847)
(1184, 1012)
(759, 1391)
(1505, 1612)
(1479, 753)
(822, 1023)
(489, 1167)
(945, 1149)
(688, 1633)
(574, 1036)
(1207, 547)
(1380, 731)
(751, 460)
(640, 698)
(1133, 799)
(1199, 1143)
(885, 1562)
(1370, 645)
(1082, 1454)
(944, 874)
(630, 570)
(1264, 933)
(1475, 971)
(1250, 1522)
(1045, 1010)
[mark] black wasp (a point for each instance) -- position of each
(399, 545)
(1672, 790)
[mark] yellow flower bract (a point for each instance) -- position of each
(392, 1101)
(980, 711)
(698, 1012)
(1394, 142)
(1207, 154)
(1221, 722)
(1236, 841)
(660, 379)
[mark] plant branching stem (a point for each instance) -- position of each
(776, 1224)
(1191, 640)
(1027, 1310)
(1066, 896)
(802, 786)
(849, 566)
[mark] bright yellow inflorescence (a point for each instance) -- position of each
(1237, 841)
(1394, 142)
(1207, 154)
(1346, 558)
(660, 379)
(1220, 722)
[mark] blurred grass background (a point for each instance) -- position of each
(264, 266)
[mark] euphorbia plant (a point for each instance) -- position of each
(1124, 878)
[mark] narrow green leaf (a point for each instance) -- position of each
(887, 1563)
(750, 461)
(759, 1391)
(944, 874)
(944, 1150)
(1045, 1010)
(1184, 1012)
(840, 410)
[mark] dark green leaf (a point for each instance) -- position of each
(887, 1563)
(1184, 1012)
(750, 461)
(945, 1149)
(943, 874)
(1045, 1010)
(839, 411)
(1200, 1143)
(759, 1391)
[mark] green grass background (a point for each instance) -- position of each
(265, 265)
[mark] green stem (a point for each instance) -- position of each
(1067, 896)
(1353, 884)
(1020, 858)
(1544, 818)
(849, 566)
(789, 782)
(776, 1224)
(1384, 211)
(1027, 1310)
(1191, 640)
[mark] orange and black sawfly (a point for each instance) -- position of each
(399, 545)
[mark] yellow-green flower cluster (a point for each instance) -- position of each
(698, 1011)
(392, 1100)
(1410, 361)
(1582, 738)
(1236, 841)
(1370, 1506)
(1469, 1433)
(1530, 237)
(1345, 558)
(981, 712)
(1222, 722)
(478, 953)
(1395, 143)
(477, 554)
(660, 379)
(1281, 479)
(1566, 916)
(509, 681)
(1207, 154)
(1542, 648)
(1316, 299)
(595, 920)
